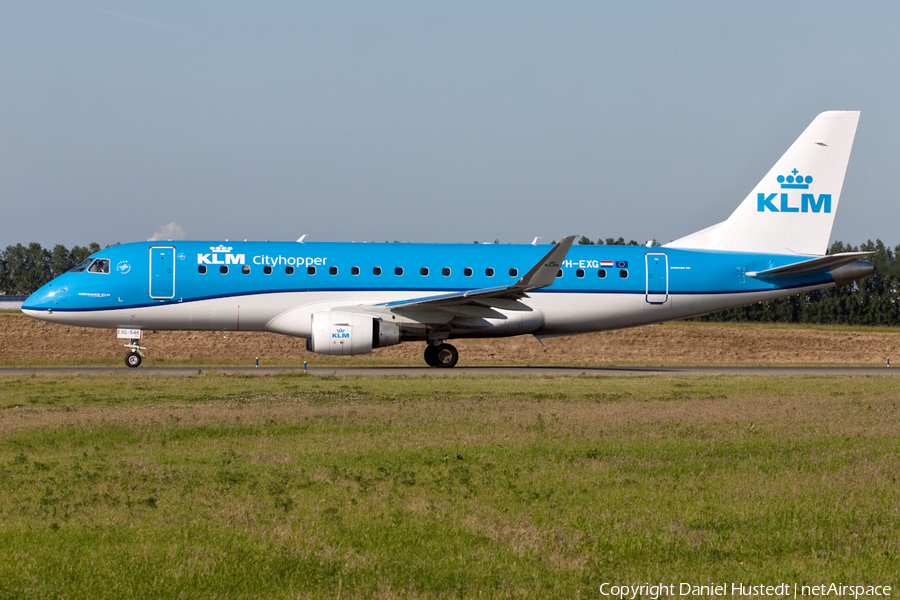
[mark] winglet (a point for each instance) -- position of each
(544, 272)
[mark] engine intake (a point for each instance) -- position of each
(342, 333)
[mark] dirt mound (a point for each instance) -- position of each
(22, 337)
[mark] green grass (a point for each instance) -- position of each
(300, 486)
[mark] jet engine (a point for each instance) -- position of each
(342, 333)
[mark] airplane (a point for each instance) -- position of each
(350, 298)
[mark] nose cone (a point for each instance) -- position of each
(40, 304)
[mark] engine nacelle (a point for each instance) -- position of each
(342, 333)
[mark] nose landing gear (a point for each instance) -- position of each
(133, 358)
(441, 355)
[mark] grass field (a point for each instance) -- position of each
(298, 486)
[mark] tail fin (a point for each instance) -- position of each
(791, 211)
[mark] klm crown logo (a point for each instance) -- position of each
(220, 248)
(340, 334)
(794, 181)
(787, 203)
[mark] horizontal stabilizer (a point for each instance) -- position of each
(822, 263)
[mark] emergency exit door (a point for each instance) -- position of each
(162, 272)
(657, 278)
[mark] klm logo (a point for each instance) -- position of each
(227, 257)
(340, 334)
(786, 202)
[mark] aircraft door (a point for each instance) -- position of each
(657, 277)
(162, 272)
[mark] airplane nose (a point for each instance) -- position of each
(44, 300)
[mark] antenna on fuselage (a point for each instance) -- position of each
(534, 241)
(300, 239)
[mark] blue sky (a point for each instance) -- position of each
(426, 120)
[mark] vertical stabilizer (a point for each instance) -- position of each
(791, 211)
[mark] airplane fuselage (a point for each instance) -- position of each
(247, 286)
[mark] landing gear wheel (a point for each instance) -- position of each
(431, 355)
(134, 356)
(447, 356)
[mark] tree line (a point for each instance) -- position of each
(23, 269)
(871, 301)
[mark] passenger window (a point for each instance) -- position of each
(601, 273)
(489, 272)
(579, 273)
(289, 270)
(311, 270)
(245, 269)
(398, 270)
(623, 273)
(101, 265)
(354, 270)
(376, 271)
(559, 273)
(467, 272)
(513, 272)
(445, 271)
(202, 269)
(332, 270)
(423, 271)
(267, 270)
(223, 269)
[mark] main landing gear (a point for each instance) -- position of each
(441, 355)
(133, 358)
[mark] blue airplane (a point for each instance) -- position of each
(348, 298)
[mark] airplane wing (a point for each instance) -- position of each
(478, 303)
(822, 263)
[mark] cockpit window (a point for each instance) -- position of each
(80, 267)
(101, 265)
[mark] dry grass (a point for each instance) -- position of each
(27, 341)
